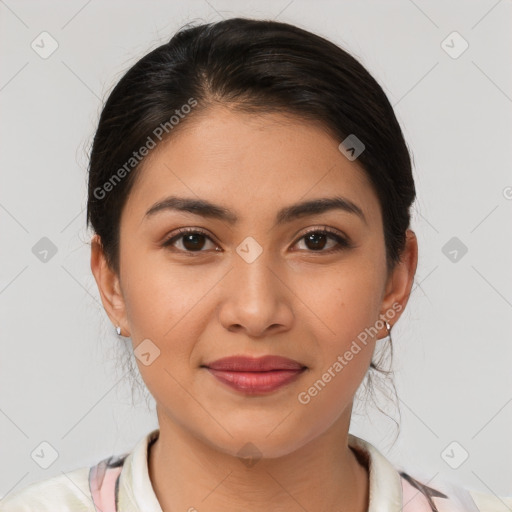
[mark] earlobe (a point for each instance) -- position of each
(399, 285)
(108, 285)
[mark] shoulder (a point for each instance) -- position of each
(68, 492)
(422, 493)
(490, 503)
(86, 489)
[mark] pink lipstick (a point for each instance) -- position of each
(255, 376)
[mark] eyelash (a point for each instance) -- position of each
(342, 242)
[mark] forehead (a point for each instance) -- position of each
(249, 163)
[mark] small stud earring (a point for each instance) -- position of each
(118, 330)
(388, 328)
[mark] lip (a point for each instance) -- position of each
(254, 364)
(255, 376)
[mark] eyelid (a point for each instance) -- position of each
(328, 229)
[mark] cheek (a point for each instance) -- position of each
(345, 299)
(164, 304)
(159, 295)
(347, 302)
(163, 323)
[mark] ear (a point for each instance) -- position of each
(108, 286)
(400, 281)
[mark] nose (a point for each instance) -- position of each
(256, 299)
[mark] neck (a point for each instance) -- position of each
(188, 474)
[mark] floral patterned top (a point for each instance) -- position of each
(122, 484)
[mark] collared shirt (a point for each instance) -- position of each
(122, 484)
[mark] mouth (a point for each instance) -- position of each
(255, 376)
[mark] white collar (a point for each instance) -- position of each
(136, 491)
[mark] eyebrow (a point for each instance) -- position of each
(205, 208)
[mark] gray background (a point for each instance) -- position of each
(60, 376)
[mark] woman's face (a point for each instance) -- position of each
(255, 286)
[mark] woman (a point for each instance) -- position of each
(250, 193)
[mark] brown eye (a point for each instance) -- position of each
(192, 240)
(316, 240)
